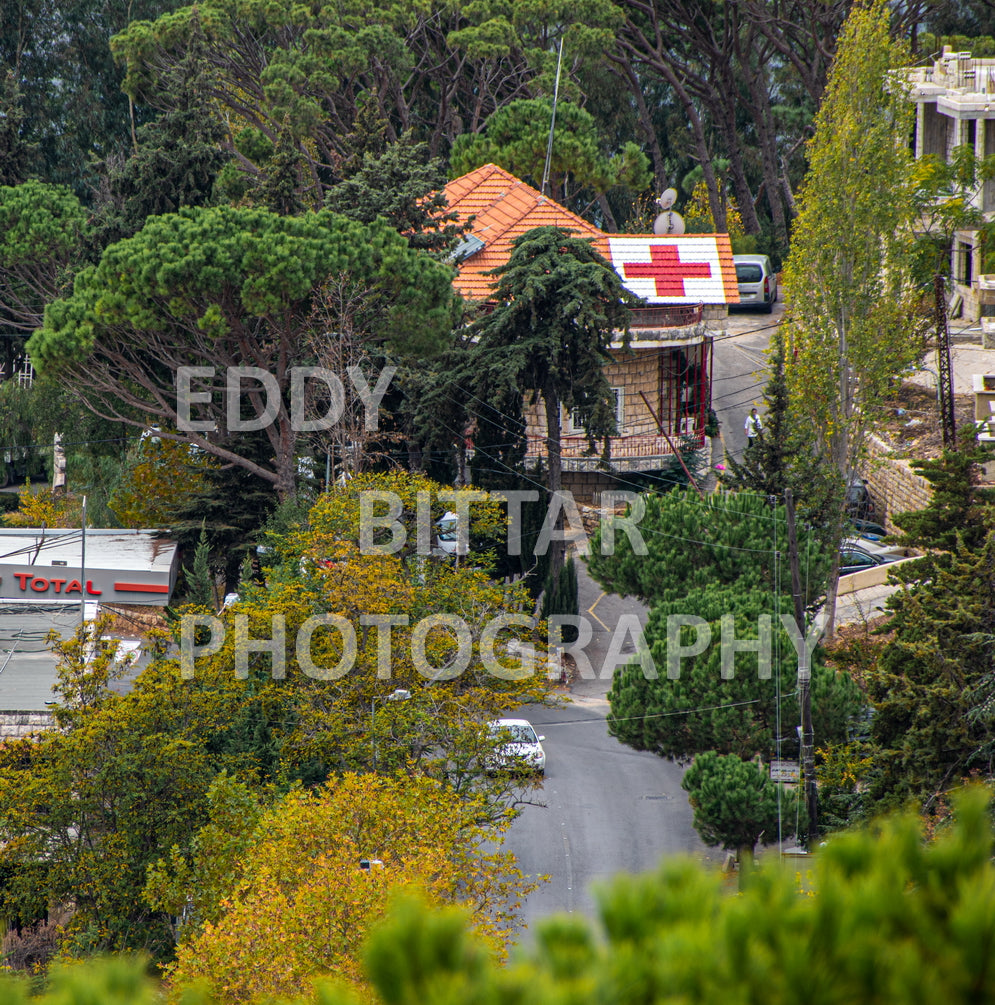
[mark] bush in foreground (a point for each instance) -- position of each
(885, 916)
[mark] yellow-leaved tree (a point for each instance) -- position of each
(162, 476)
(851, 326)
(398, 621)
(698, 211)
(321, 869)
(43, 508)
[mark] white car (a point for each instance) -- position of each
(448, 533)
(521, 749)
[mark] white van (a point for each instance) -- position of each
(757, 282)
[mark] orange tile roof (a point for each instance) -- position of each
(504, 208)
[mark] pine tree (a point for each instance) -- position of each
(17, 155)
(560, 596)
(200, 581)
(735, 804)
(933, 689)
(404, 184)
(959, 509)
(559, 307)
(680, 707)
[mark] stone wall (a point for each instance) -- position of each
(17, 725)
(893, 484)
(587, 486)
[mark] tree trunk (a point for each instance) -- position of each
(646, 124)
(715, 203)
(554, 478)
(286, 461)
(744, 854)
(725, 116)
(767, 143)
(610, 224)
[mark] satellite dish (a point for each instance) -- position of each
(668, 223)
(667, 198)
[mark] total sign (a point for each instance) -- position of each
(55, 582)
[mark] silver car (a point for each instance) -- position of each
(757, 282)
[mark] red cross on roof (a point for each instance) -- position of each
(667, 269)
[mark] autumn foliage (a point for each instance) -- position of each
(301, 905)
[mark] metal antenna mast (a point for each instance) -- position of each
(552, 123)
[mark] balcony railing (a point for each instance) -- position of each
(671, 316)
(955, 71)
(623, 447)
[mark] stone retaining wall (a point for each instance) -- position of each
(17, 725)
(893, 484)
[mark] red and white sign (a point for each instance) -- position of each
(61, 583)
(676, 270)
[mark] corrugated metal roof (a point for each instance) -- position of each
(119, 549)
(699, 269)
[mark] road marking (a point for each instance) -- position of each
(755, 356)
(590, 611)
(570, 872)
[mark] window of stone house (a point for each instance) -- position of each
(574, 425)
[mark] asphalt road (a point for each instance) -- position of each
(608, 808)
(739, 373)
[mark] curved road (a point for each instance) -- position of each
(739, 372)
(608, 808)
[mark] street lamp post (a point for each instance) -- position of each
(400, 694)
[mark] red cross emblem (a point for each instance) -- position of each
(666, 268)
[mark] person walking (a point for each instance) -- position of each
(754, 428)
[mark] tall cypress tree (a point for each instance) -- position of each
(559, 305)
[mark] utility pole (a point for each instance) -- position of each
(804, 678)
(944, 380)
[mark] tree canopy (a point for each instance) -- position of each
(690, 703)
(732, 539)
(297, 904)
(41, 232)
(852, 327)
(932, 687)
(736, 804)
(223, 287)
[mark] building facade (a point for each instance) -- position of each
(955, 106)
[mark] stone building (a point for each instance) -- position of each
(663, 384)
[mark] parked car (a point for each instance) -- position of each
(867, 529)
(520, 749)
(448, 533)
(757, 281)
(854, 558)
